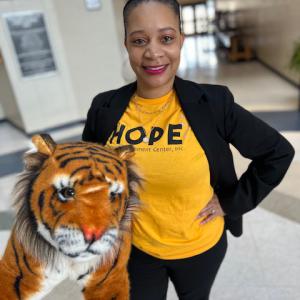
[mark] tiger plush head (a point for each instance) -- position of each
(75, 200)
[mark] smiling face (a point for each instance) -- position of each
(153, 42)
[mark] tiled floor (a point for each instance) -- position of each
(264, 263)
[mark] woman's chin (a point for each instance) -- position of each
(155, 82)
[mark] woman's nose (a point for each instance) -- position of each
(153, 51)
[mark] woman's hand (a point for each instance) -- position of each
(211, 210)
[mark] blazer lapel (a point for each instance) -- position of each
(112, 111)
(199, 115)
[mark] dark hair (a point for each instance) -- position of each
(131, 4)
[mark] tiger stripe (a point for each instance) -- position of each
(51, 204)
(70, 147)
(109, 271)
(79, 169)
(66, 161)
(88, 272)
(114, 159)
(118, 169)
(59, 157)
(99, 149)
(99, 160)
(18, 279)
(59, 216)
(27, 265)
(41, 202)
(108, 170)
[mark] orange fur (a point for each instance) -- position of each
(74, 205)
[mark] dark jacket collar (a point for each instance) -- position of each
(187, 92)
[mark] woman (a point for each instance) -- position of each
(181, 131)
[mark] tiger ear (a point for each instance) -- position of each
(125, 152)
(44, 143)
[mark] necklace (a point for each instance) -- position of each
(159, 112)
(161, 109)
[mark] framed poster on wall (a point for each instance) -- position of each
(31, 43)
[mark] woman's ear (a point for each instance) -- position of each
(125, 42)
(182, 37)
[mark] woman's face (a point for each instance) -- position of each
(153, 43)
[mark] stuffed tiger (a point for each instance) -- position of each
(74, 204)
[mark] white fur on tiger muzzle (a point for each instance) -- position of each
(71, 242)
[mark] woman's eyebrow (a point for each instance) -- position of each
(160, 30)
(167, 28)
(137, 31)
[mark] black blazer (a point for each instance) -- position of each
(216, 122)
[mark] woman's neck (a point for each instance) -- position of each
(151, 92)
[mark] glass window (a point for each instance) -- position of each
(187, 13)
(189, 27)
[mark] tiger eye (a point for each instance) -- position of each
(113, 196)
(66, 193)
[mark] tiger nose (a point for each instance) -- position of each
(92, 233)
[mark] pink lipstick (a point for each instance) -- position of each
(155, 70)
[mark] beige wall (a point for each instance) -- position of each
(8, 104)
(274, 25)
(87, 52)
(127, 73)
(2, 115)
(92, 48)
(2, 85)
(118, 14)
(278, 29)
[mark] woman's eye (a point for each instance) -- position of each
(167, 39)
(139, 42)
(66, 194)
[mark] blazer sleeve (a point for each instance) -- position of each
(270, 152)
(89, 131)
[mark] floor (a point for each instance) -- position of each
(264, 263)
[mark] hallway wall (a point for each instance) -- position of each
(277, 30)
(2, 115)
(274, 24)
(8, 105)
(91, 47)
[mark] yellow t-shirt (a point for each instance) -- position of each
(177, 176)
